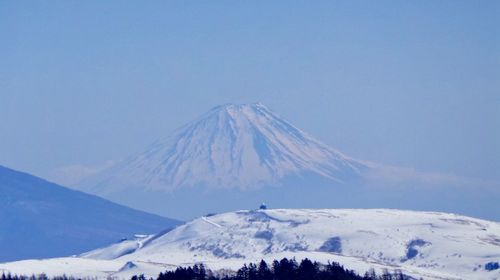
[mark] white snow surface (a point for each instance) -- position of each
(231, 146)
(430, 245)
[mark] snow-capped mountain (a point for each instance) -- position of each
(39, 219)
(230, 147)
(431, 245)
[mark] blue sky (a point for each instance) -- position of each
(408, 83)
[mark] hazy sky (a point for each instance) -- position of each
(410, 83)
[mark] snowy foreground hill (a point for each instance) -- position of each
(430, 245)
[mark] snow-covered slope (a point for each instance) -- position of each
(238, 156)
(423, 244)
(39, 219)
(231, 146)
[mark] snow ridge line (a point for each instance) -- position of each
(210, 222)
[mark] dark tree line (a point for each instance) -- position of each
(285, 269)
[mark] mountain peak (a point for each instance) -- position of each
(238, 106)
(239, 110)
(231, 146)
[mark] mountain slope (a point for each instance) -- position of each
(233, 156)
(40, 219)
(231, 146)
(238, 156)
(431, 245)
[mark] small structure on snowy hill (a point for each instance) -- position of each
(263, 206)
